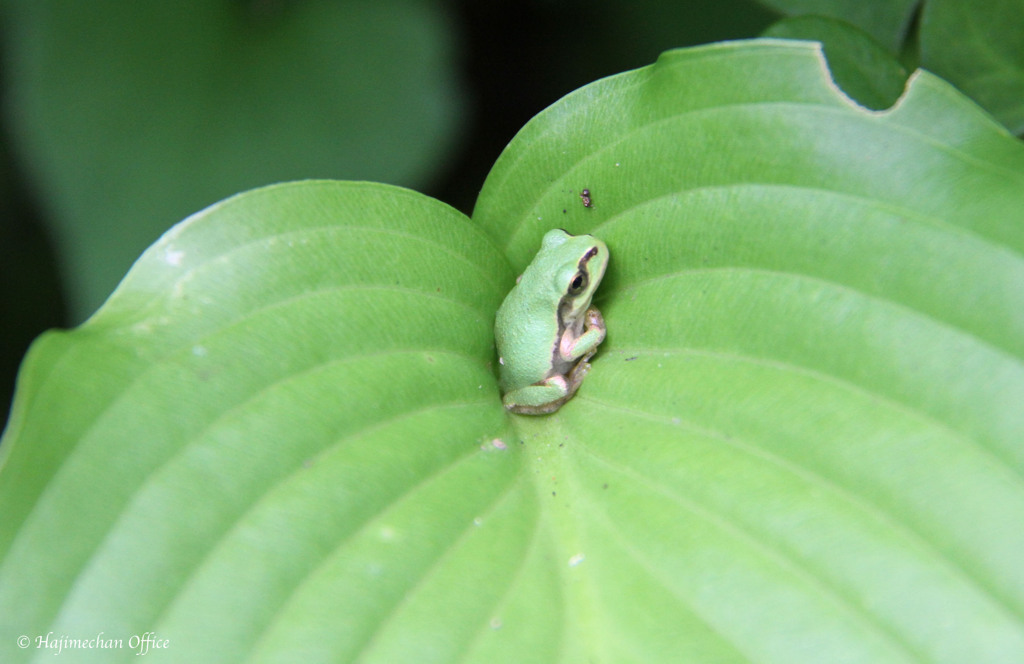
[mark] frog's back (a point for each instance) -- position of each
(526, 329)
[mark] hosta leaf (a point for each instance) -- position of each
(296, 369)
(807, 412)
(281, 438)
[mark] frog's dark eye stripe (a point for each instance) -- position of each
(582, 265)
(582, 278)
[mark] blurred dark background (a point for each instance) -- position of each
(120, 119)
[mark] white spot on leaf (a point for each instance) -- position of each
(173, 256)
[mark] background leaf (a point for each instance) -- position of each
(885, 20)
(860, 66)
(977, 46)
(282, 439)
(131, 115)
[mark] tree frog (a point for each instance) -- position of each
(546, 330)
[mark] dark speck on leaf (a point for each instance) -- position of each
(585, 197)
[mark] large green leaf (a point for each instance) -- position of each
(291, 370)
(281, 440)
(130, 115)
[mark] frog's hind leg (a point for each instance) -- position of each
(540, 398)
(550, 394)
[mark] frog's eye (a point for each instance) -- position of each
(578, 283)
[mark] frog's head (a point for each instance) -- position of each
(581, 262)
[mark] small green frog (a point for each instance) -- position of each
(546, 330)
